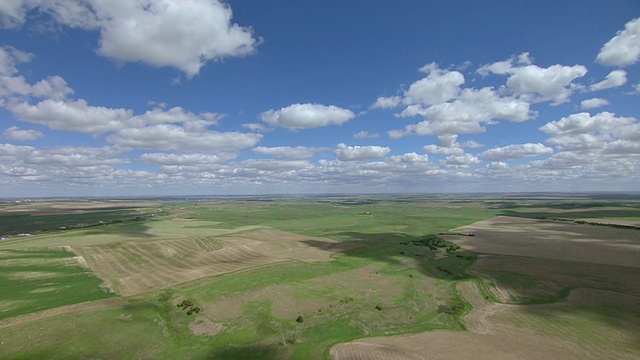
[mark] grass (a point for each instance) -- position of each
(44, 279)
(348, 308)
(390, 285)
(329, 220)
(118, 332)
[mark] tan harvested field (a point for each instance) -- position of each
(497, 331)
(133, 267)
(551, 240)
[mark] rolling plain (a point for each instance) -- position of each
(499, 276)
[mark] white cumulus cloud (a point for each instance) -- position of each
(79, 116)
(185, 159)
(10, 57)
(12, 84)
(535, 83)
(358, 153)
(298, 152)
(366, 135)
(466, 115)
(177, 33)
(512, 152)
(16, 134)
(584, 122)
(305, 116)
(71, 115)
(57, 159)
(436, 149)
(275, 165)
(408, 158)
(595, 135)
(460, 161)
(437, 87)
(593, 103)
(171, 137)
(614, 79)
(387, 102)
(447, 145)
(624, 48)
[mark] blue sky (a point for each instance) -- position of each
(172, 97)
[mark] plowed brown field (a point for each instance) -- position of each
(551, 240)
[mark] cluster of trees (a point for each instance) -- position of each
(433, 242)
(188, 306)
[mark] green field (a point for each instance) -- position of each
(330, 270)
(35, 280)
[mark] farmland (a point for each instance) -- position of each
(360, 277)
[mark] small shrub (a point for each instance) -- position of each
(452, 309)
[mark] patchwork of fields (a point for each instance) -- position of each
(133, 267)
(342, 278)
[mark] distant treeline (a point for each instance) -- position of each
(583, 222)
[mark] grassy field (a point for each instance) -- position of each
(35, 280)
(285, 278)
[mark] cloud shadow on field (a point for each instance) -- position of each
(121, 222)
(134, 229)
(395, 248)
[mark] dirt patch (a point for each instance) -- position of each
(81, 261)
(203, 326)
(32, 275)
(43, 290)
(551, 240)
